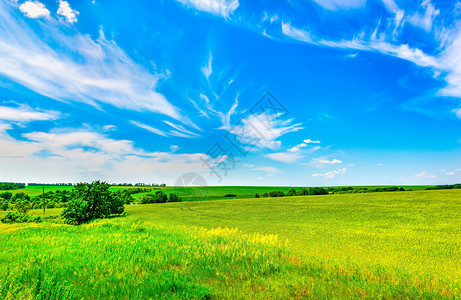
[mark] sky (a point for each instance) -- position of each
(300, 93)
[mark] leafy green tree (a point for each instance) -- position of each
(160, 197)
(291, 192)
(92, 201)
(146, 199)
(4, 205)
(20, 196)
(6, 195)
(22, 206)
(256, 196)
(172, 197)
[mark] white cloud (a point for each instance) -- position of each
(424, 174)
(425, 21)
(284, 157)
(85, 155)
(297, 147)
(267, 169)
(295, 33)
(34, 9)
(340, 4)
(25, 114)
(309, 141)
(148, 128)
(457, 111)
(263, 130)
(67, 12)
(459, 169)
(323, 161)
(221, 8)
(450, 173)
(76, 67)
(331, 174)
(208, 68)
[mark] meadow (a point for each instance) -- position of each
(376, 245)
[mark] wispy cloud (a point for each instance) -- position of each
(285, 157)
(208, 68)
(263, 129)
(267, 169)
(24, 114)
(323, 161)
(331, 174)
(221, 8)
(341, 4)
(83, 69)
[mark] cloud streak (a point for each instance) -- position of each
(84, 70)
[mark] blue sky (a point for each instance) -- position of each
(369, 92)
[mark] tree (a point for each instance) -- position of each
(291, 192)
(22, 206)
(92, 201)
(256, 196)
(160, 197)
(20, 196)
(6, 195)
(172, 197)
(146, 199)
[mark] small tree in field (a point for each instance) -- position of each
(92, 201)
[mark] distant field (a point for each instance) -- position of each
(374, 245)
(193, 193)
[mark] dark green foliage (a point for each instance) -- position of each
(160, 197)
(230, 195)
(256, 196)
(6, 195)
(174, 198)
(445, 187)
(146, 199)
(14, 217)
(277, 194)
(291, 192)
(4, 205)
(265, 195)
(22, 206)
(20, 196)
(11, 186)
(92, 201)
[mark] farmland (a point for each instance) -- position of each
(391, 245)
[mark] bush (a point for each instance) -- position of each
(230, 195)
(4, 205)
(160, 197)
(291, 192)
(276, 194)
(14, 217)
(22, 206)
(146, 199)
(92, 201)
(256, 196)
(174, 198)
(6, 195)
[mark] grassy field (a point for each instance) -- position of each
(193, 193)
(376, 245)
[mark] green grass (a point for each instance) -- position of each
(376, 245)
(192, 193)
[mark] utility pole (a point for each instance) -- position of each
(43, 195)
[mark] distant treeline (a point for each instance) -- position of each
(330, 190)
(139, 184)
(49, 184)
(445, 187)
(4, 186)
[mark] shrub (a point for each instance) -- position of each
(22, 206)
(160, 197)
(4, 205)
(256, 196)
(230, 195)
(147, 199)
(276, 194)
(6, 195)
(92, 201)
(174, 198)
(20, 196)
(291, 192)
(14, 217)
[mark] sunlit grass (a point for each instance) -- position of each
(388, 245)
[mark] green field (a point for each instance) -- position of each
(374, 245)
